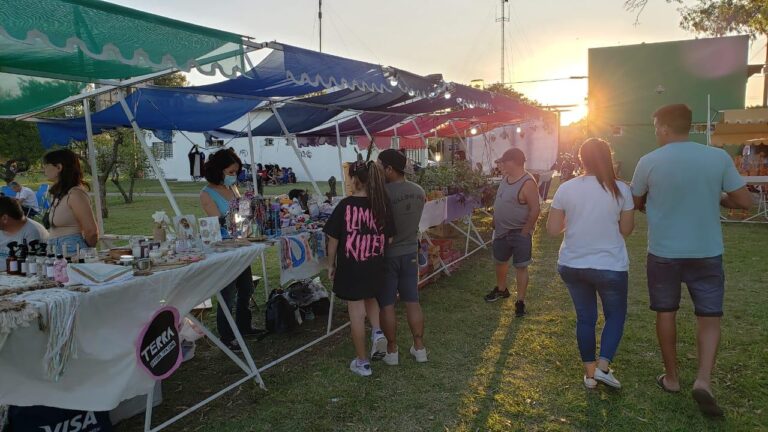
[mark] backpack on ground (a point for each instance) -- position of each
(280, 313)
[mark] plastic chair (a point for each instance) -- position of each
(7, 191)
(42, 201)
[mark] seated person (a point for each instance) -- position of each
(291, 176)
(285, 177)
(27, 198)
(16, 227)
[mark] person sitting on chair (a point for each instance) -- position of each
(27, 198)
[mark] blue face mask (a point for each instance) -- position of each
(230, 180)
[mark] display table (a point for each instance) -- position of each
(110, 319)
(761, 215)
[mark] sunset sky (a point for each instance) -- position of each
(460, 39)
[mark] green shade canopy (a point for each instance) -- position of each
(50, 48)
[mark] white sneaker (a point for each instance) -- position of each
(360, 369)
(589, 383)
(379, 348)
(419, 355)
(392, 359)
(607, 378)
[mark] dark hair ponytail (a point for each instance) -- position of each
(372, 177)
(595, 154)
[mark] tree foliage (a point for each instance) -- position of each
(505, 90)
(717, 17)
(176, 79)
(19, 139)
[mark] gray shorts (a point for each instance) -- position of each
(704, 277)
(513, 245)
(401, 275)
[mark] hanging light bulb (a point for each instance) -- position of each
(473, 130)
(438, 157)
(519, 129)
(459, 100)
(432, 94)
(447, 95)
(471, 105)
(393, 81)
(411, 93)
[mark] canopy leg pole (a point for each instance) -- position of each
(463, 141)
(94, 167)
(254, 172)
(293, 145)
(150, 156)
(341, 162)
(421, 135)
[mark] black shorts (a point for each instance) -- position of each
(704, 277)
(513, 245)
(401, 276)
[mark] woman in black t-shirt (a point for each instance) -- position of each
(359, 229)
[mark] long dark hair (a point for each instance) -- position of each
(215, 165)
(595, 155)
(370, 175)
(71, 174)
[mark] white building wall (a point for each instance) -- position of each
(323, 161)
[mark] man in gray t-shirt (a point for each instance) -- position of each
(15, 227)
(402, 268)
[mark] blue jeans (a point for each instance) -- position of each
(71, 241)
(584, 285)
(237, 294)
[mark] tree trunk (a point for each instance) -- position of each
(130, 188)
(126, 197)
(103, 192)
(765, 77)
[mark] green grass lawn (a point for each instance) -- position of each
(488, 370)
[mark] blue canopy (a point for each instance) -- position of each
(153, 108)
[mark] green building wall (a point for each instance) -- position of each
(628, 83)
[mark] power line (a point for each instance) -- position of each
(574, 77)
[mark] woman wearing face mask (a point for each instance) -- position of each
(221, 172)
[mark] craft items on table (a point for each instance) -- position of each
(210, 230)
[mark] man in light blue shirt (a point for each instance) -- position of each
(682, 185)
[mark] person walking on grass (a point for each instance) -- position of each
(402, 268)
(359, 231)
(515, 212)
(682, 185)
(595, 211)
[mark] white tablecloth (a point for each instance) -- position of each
(435, 212)
(110, 319)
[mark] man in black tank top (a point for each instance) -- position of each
(516, 210)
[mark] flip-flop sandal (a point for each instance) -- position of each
(707, 403)
(660, 383)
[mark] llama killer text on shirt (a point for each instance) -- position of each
(358, 246)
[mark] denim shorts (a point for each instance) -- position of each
(71, 241)
(401, 276)
(704, 278)
(513, 245)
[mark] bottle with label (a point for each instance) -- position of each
(23, 253)
(49, 274)
(32, 259)
(41, 259)
(12, 263)
(60, 269)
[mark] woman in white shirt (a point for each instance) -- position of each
(595, 211)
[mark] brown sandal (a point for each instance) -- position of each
(707, 403)
(660, 383)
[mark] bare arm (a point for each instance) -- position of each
(741, 198)
(333, 244)
(209, 207)
(640, 202)
(531, 194)
(555, 222)
(626, 222)
(80, 205)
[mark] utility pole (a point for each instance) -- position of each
(320, 19)
(503, 20)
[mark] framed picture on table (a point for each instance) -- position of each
(186, 227)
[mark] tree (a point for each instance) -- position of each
(18, 140)
(176, 79)
(500, 88)
(132, 164)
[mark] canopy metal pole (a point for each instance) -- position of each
(254, 172)
(293, 145)
(148, 152)
(396, 144)
(92, 162)
(424, 140)
(709, 121)
(341, 162)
